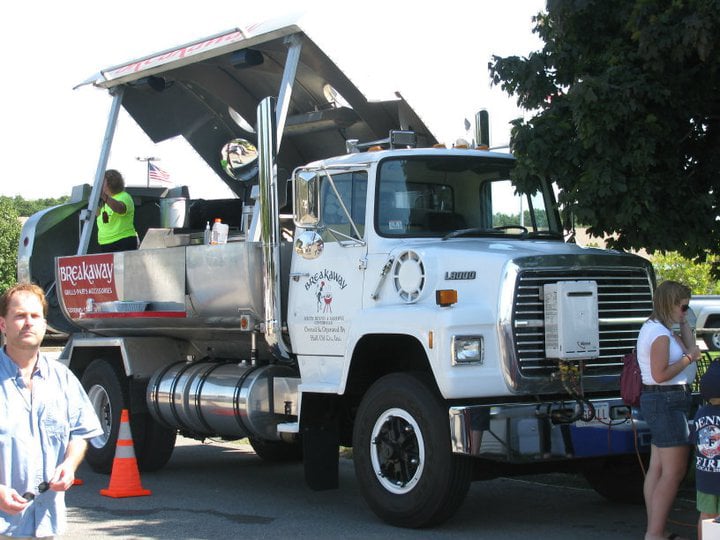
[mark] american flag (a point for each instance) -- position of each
(156, 173)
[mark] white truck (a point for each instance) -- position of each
(406, 302)
(706, 309)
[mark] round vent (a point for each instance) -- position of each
(409, 276)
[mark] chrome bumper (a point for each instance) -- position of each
(519, 432)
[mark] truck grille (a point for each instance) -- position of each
(623, 294)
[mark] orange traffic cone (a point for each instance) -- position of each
(125, 476)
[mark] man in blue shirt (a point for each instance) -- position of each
(45, 421)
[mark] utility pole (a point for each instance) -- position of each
(148, 160)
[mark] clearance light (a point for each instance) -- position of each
(439, 145)
(467, 350)
(446, 297)
(245, 323)
(403, 139)
(375, 148)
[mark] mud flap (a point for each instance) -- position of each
(321, 446)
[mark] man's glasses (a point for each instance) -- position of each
(685, 307)
(42, 488)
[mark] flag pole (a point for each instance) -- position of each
(148, 160)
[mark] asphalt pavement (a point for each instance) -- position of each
(218, 490)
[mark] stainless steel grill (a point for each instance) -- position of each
(624, 302)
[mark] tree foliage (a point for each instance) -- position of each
(698, 277)
(9, 238)
(10, 210)
(626, 102)
(27, 208)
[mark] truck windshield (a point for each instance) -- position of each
(449, 196)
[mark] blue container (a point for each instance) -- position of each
(603, 440)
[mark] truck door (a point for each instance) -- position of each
(325, 292)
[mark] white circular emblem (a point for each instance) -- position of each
(409, 276)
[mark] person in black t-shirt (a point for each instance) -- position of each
(706, 436)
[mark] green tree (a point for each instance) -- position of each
(698, 277)
(27, 208)
(626, 102)
(9, 238)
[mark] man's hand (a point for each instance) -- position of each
(11, 502)
(63, 477)
(65, 472)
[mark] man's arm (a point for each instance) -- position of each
(65, 472)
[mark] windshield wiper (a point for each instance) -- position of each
(495, 231)
(478, 231)
(546, 234)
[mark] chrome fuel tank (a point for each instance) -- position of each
(231, 400)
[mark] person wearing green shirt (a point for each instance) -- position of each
(115, 221)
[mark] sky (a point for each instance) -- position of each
(436, 56)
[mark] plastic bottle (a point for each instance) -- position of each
(214, 233)
(219, 232)
(206, 237)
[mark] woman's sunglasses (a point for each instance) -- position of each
(685, 307)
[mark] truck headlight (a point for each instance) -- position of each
(467, 350)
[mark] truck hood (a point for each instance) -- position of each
(528, 249)
(480, 266)
(498, 286)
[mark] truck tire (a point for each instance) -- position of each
(618, 479)
(404, 464)
(712, 341)
(277, 451)
(154, 443)
(105, 390)
(108, 391)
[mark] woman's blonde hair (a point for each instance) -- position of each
(668, 295)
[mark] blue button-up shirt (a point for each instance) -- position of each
(35, 429)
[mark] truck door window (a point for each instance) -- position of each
(352, 188)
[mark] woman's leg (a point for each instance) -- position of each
(651, 479)
(661, 492)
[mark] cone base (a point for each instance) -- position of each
(120, 493)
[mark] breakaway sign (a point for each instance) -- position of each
(86, 277)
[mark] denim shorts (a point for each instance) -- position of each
(666, 414)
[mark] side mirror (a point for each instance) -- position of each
(306, 194)
(309, 245)
(236, 156)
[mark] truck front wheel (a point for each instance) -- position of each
(403, 460)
